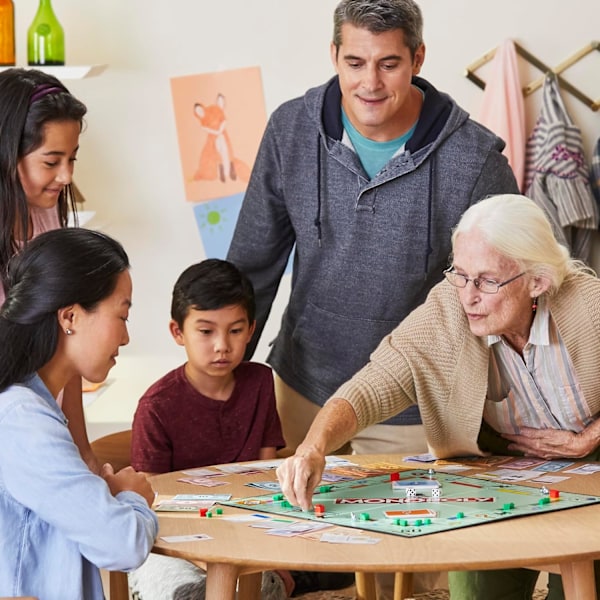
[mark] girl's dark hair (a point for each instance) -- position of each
(210, 285)
(57, 269)
(29, 99)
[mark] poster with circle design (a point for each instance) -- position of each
(220, 119)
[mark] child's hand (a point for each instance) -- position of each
(127, 479)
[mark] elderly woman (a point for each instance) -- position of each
(502, 357)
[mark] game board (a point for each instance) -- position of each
(462, 502)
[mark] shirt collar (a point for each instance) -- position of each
(539, 334)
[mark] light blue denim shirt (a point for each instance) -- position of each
(59, 522)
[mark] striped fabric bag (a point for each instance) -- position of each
(557, 177)
(595, 173)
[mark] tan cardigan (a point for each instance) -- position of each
(433, 359)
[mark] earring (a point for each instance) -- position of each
(534, 305)
(69, 331)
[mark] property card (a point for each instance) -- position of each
(190, 502)
(195, 497)
(174, 539)
(549, 479)
(587, 469)
(420, 458)
(297, 528)
(341, 538)
(170, 507)
(271, 486)
(203, 481)
(238, 469)
(525, 463)
(202, 472)
(554, 465)
(510, 475)
(264, 465)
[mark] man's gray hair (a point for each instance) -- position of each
(378, 16)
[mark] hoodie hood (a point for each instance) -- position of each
(440, 116)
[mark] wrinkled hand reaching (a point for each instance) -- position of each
(299, 475)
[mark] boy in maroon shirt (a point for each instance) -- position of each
(213, 409)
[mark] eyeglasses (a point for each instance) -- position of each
(486, 286)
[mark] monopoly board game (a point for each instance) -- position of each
(418, 502)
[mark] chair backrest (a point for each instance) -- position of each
(114, 448)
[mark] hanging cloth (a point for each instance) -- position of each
(502, 108)
(557, 176)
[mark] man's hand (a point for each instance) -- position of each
(300, 474)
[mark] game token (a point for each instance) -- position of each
(394, 476)
(319, 510)
(219, 511)
(554, 494)
(203, 512)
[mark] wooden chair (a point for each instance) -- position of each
(115, 448)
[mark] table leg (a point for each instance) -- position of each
(249, 586)
(403, 583)
(365, 586)
(221, 581)
(578, 580)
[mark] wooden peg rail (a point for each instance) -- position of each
(536, 62)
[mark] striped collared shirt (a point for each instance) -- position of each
(539, 389)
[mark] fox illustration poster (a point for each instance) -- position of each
(220, 118)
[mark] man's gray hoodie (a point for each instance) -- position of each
(366, 252)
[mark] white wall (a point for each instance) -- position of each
(128, 166)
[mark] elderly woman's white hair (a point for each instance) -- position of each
(517, 228)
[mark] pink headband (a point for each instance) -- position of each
(43, 90)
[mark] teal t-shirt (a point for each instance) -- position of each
(374, 155)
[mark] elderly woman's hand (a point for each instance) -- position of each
(300, 474)
(551, 443)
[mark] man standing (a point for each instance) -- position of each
(364, 176)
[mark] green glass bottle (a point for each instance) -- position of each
(45, 38)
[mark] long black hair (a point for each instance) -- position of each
(29, 99)
(56, 269)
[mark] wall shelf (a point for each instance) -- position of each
(68, 71)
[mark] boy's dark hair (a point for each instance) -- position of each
(210, 285)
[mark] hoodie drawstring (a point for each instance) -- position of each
(320, 183)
